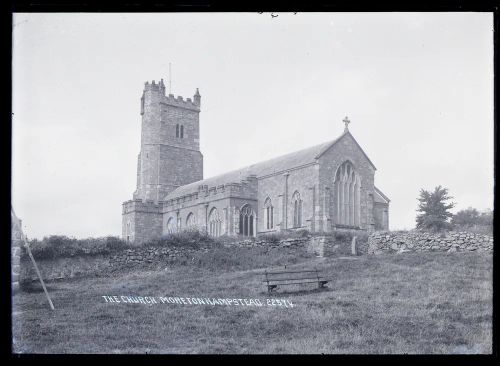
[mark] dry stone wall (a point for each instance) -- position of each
(419, 241)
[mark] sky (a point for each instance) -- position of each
(417, 87)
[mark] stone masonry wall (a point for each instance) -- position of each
(417, 241)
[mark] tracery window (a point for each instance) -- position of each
(214, 223)
(247, 217)
(297, 209)
(268, 214)
(347, 191)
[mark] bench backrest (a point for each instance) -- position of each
(292, 275)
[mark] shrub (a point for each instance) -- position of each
(273, 238)
(277, 236)
(342, 236)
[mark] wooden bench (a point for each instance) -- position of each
(284, 278)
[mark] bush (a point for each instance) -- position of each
(276, 237)
(59, 246)
(343, 236)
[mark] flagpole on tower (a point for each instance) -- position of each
(169, 78)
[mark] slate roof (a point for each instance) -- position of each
(264, 168)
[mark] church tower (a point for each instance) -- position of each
(170, 157)
(170, 143)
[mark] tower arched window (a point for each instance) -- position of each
(177, 130)
(214, 223)
(190, 221)
(247, 217)
(268, 214)
(347, 190)
(171, 226)
(182, 131)
(297, 209)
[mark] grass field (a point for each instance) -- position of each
(407, 303)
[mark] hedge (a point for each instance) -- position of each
(57, 246)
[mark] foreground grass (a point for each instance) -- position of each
(408, 303)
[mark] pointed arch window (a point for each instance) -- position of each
(268, 214)
(214, 223)
(171, 226)
(190, 221)
(297, 209)
(347, 190)
(247, 217)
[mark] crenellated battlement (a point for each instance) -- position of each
(171, 99)
(153, 86)
(179, 101)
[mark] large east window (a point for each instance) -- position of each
(347, 190)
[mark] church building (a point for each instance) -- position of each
(323, 188)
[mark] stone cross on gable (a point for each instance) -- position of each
(346, 122)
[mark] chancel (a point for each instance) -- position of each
(323, 188)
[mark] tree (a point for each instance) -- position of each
(486, 218)
(434, 208)
(466, 218)
(473, 220)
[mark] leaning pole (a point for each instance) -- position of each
(23, 237)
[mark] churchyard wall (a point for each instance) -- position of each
(419, 241)
(158, 257)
